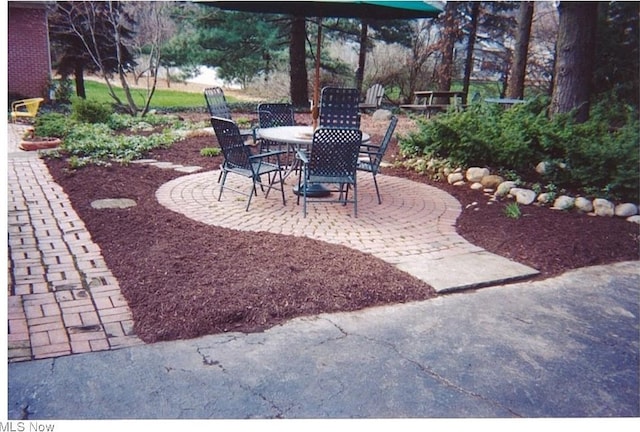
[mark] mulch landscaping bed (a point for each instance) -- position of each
(184, 279)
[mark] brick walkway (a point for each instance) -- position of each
(62, 298)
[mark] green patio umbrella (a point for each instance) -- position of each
(372, 9)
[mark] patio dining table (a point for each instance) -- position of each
(296, 138)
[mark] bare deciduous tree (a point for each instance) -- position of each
(104, 34)
(421, 55)
(154, 28)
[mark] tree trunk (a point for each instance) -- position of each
(574, 58)
(299, 86)
(468, 64)
(79, 78)
(362, 58)
(515, 88)
(449, 37)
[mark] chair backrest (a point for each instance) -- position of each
(377, 158)
(340, 108)
(217, 103)
(375, 93)
(334, 152)
(236, 153)
(275, 114)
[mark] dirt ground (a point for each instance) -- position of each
(184, 279)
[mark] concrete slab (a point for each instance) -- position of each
(465, 271)
(556, 348)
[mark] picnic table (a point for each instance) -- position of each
(434, 101)
(507, 102)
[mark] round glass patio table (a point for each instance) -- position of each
(297, 138)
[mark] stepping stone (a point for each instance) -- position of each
(166, 165)
(109, 203)
(189, 169)
(143, 161)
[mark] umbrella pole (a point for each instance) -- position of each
(315, 112)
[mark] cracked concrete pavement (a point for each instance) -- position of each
(561, 347)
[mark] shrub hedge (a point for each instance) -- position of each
(599, 157)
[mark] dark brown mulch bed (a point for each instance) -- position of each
(184, 279)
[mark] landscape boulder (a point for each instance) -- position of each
(545, 198)
(583, 204)
(382, 115)
(455, 177)
(505, 187)
(491, 181)
(475, 174)
(563, 202)
(634, 219)
(523, 196)
(626, 210)
(603, 207)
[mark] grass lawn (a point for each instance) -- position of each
(162, 98)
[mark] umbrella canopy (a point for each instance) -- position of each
(372, 9)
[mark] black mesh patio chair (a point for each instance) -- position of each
(274, 115)
(371, 154)
(239, 160)
(217, 103)
(218, 107)
(340, 108)
(331, 162)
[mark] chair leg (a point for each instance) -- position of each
(304, 198)
(272, 181)
(375, 182)
(282, 187)
(355, 199)
(224, 179)
(253, 191)
(346, 193)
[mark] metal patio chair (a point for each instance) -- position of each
(25, 108)
(274, 115)
(340, 108)
(331, 162)
(239, 160)
(371, 154)
(218, 107)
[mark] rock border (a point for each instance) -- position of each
(481, 179)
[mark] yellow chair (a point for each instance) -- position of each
(25, 108)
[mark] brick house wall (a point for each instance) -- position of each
(29, 59)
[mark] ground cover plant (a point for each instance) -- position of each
(184, 279)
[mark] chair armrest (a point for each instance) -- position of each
(17, 104)
(369, 153)
(370, 146)
(267, 154)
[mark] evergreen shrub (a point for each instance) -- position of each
(599, 157)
